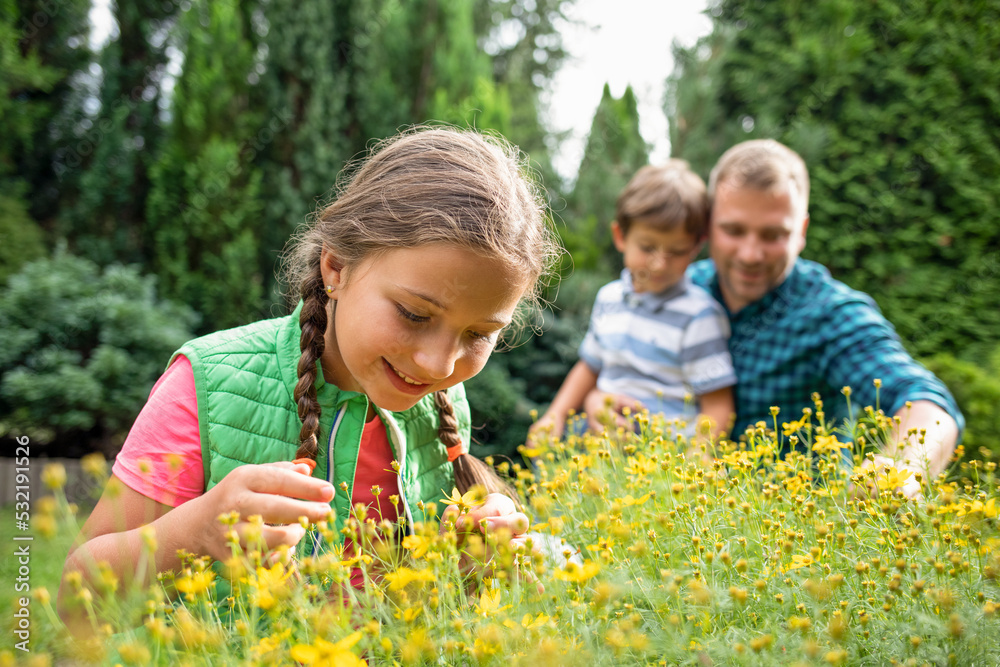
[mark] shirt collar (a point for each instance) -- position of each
(650, 300)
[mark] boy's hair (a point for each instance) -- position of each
(665, 197)
(426, 185)
(764, 165)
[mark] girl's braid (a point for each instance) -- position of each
(313, 322)
(448, 424)
(469, 471)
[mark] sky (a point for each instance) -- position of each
(619, 43)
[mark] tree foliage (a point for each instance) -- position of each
(203, 210)
(41, 46)
(894, 108)
(106, 167)
(976, 387)
(197, 139)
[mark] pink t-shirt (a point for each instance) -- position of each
(161, 457)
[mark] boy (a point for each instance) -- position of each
(654, 337)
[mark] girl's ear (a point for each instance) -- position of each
(332, 269)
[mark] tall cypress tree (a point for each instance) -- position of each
(54, 35)
(302, 141)
(109, 166)
(27, 95)
(204, 209)
(893, 106)
(418, 62)
(615, 150)
(43, 49)
(337, 75)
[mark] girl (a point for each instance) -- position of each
(403, 286)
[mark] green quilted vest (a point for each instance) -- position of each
(245, 379)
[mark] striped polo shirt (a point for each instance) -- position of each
(658, 347)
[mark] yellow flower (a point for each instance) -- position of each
(404, 576)
(790, 428)
(409, 614)
(54, 476)
(489, 603)
(827, 443)
(629, 501)
(529, 452)
(800, 560)
(417, 544)
(532, 624)
(987, 510)
(45, 524)
(269, 585)
(640, 466)
(328, 654)
(95, 465)
(134, 653)
(891, 479)
(269, 644)
(195, 583)
(578, 573)
(465, 502)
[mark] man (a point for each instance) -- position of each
(796, 330)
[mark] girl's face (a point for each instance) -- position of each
(412, 321)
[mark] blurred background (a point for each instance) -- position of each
(156, 155)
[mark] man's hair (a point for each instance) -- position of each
(665, 197)
(764, 165)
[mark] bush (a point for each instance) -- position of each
(82, 349)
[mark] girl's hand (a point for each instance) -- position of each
(277, 492)
(498, 511)
(497, 514)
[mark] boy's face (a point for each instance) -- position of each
(656, 259)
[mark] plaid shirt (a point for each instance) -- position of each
(815, 334)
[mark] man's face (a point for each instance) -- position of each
(754, 239)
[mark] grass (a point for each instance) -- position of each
(46, 561)
(750, 559)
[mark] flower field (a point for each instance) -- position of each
(648, 551)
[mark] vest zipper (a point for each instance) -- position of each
(392, 431)
(317, 538)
